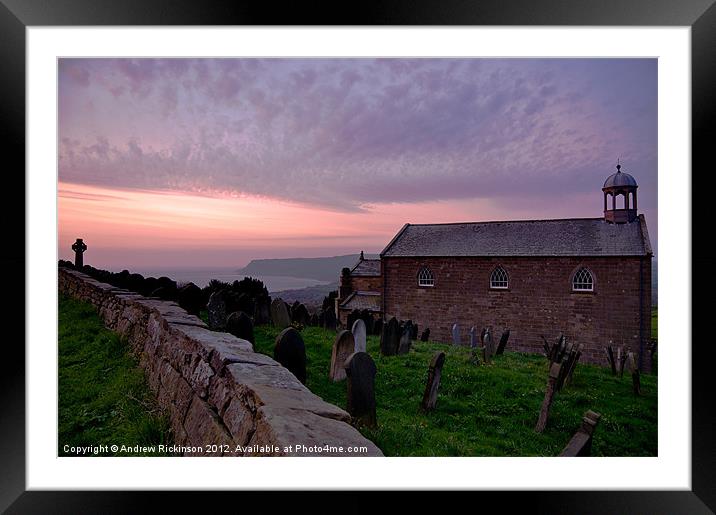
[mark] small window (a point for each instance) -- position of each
(498, 279)
(583, 280)
(425, 277)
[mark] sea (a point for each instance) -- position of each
(202, 276)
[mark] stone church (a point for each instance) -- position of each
(586, 278)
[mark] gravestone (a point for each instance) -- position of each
(262, 310)
(430, 396)
(189, 298)
(279, 314)
(359, 335)
(79, 247)
(367, 318)
(405, 341)
(455, 334)
(343, 346)
(329, 319)
(474, 359)
(300, 315)
(352, 317)
(239, 324)
(488, 348)
(413, 330)
(610, 358)
(216, 310)
(378, 327)
(360, 371)
(473, 337)
(554, 372)
(425, 336)
(390, 338)
(290, 351)
(581, 443)
(635, 377)
(503, 342)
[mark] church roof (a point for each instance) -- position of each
(566, 237)
(361, 300)
(366, 268)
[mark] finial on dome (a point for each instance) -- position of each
(619, 166)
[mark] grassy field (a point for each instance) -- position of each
(485, 410)
(103, 397)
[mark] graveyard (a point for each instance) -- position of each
(484, 410)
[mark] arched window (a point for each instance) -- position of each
(583, 280)
(426, 277)
(499, 279)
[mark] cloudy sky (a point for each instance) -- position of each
(213, 162)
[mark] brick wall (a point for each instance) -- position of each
(366, 283)
(539, 301)
(213, 387)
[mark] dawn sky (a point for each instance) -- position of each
(213, 162)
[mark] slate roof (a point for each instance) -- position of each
(366, 268)
(566, 237)
(370, 300)
(618, 179)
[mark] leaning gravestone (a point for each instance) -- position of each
(343, 346)
(554, 373)
(503, 342)
(279, 314)
(426, 335)
(290, 351)
(216, 311)
(405, 342)
(359, 335)
(390, 339)
(430, 396)
(360, 370)
(455, 334)
(581, 442)
(239, 324)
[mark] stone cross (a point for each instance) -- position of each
(290, 351)
(359, 335)
(79, 247)
(279, 314)
(554, 372)
(360, 370)
(343, 347)
(430, 396)
(455, 334)
(581, 442)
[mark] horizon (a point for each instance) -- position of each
(211, 163)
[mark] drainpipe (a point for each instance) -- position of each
(641, 312)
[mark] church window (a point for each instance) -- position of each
(425, 277)
(498, 279)
(583, 280)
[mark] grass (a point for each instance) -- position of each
(485, 410)
(103, 396)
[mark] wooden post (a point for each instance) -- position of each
(554, 372)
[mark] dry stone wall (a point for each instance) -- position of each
(218, 393)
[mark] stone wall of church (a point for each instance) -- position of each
(539, 300)
(218, 393)
(366, 283)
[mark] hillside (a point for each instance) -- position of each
(321, 269)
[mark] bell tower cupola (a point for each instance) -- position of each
(620, 198)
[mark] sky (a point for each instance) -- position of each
(214, 162)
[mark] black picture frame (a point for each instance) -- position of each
(16, 15)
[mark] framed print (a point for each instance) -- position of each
(363, 233)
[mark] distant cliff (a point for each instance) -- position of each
(321, 269)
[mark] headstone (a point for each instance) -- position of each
(360, 371)
(455, 334)
(378, 326)
(572, 363)
(352, 317)
(405, 341)
(474, 359)
(430, 396)
(262, 310)
(343, 346)
(329, 319)
(290, 351)
(239, 324)
(216, 310)
(554, 372)
(359, 335)
(635, 377)
(189, 297)
(279, 314)
(300, 315)
(390, 338)
(488, 348)
(473, 337)
(503, 342)
(413, 331)
(610, 358)
(425, 336)
(79, 247)
(621, 357)
(581, 443)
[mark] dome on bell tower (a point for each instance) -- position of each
(620, 185)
